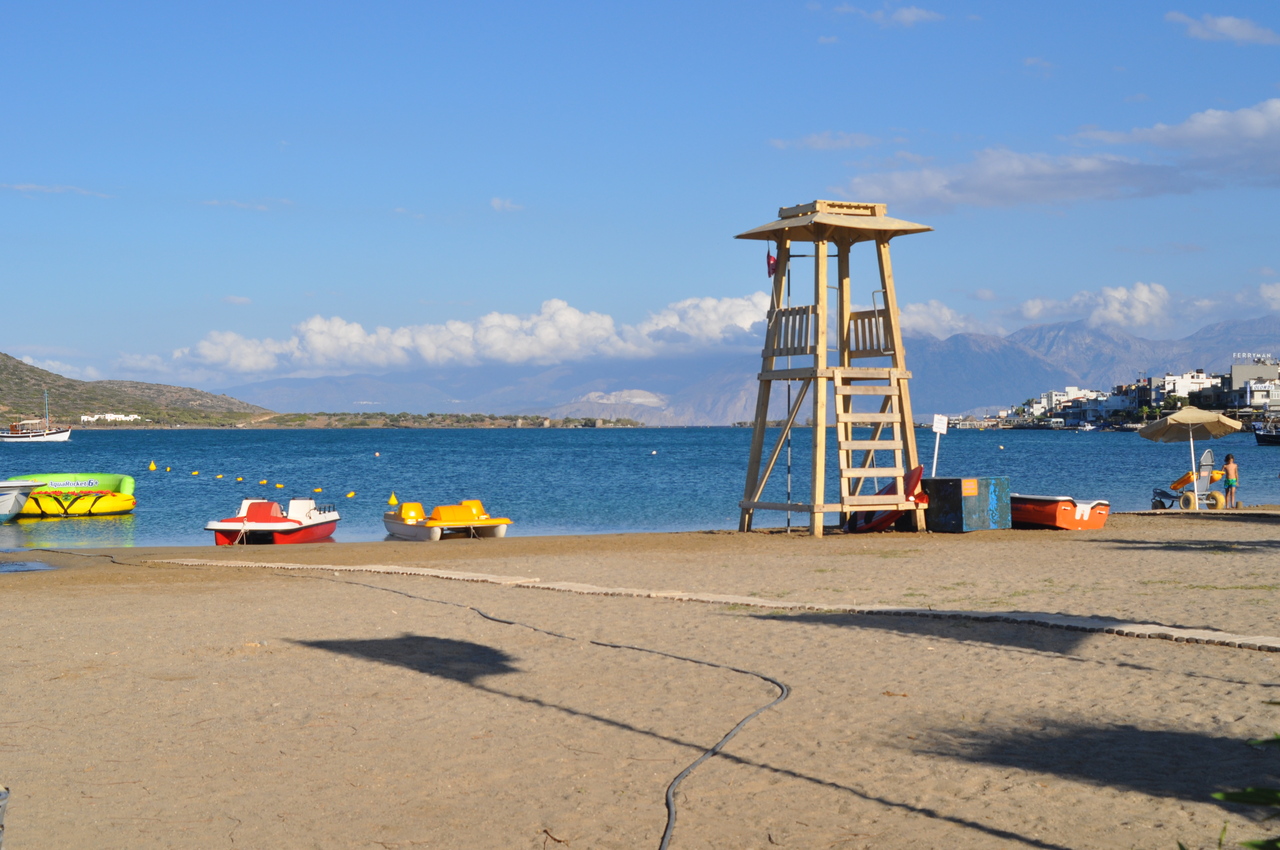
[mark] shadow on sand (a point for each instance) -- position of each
(1160, 763)
(1022, 635)
(459, 660)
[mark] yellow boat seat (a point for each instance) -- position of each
(411, 512)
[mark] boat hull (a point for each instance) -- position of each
(1061, 512)
(52, 435)
(410, 531)
(1267, 438)
(13, 496)
(255, 536)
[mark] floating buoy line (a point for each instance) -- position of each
(151, 467)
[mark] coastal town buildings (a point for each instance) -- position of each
(1246, 389)
(109, 417)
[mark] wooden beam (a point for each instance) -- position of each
(819, 457)
(855, 389)
(874, 472)
(777, 447)
(910, 455)
(883, 503)
(871, 445)
(864, 418)
(761, 423)
(852, 373)
(792, 507)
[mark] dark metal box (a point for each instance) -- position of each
(967, 504)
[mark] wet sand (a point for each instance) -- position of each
(152, 704)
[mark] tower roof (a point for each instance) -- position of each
(833, 220)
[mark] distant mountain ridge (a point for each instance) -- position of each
(953, 375)
(960, 373)
(22, 388)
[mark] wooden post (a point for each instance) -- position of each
(819, 386)
(761, 422)
(899, 362)
(844, 404)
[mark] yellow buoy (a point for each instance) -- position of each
(195, 473)
(351, 495)
(317, 490)
(167, 468)
(241, 478)
(263, 481)
(217, 476)
(152, 467)
(393, 500)
(279, 486)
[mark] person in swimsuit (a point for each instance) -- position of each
(1231, 479)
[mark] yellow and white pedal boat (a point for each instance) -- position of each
(409, 521)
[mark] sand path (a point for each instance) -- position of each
(158, 705)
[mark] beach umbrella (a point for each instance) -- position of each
(1186, 425)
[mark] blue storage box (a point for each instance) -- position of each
(967, 504)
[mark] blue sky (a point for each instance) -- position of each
(214, 193)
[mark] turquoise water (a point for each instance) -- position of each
(551, 481)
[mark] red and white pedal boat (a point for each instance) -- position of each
(1063, 512)
(260, 521)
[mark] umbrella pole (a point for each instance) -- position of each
(1195, 469)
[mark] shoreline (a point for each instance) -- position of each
(379, 695)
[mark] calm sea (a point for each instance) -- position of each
(581, 481)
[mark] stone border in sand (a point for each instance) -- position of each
(1094, 625)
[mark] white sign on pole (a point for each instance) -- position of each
(939, 428)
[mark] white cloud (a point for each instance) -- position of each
(557, 333)
(1224, 28)
(1217, 140)
(705, 320)
(1141, 305)
(827, 141)
(1270, 294)
(27, 188)
(998, 177)
(85, 373)
(504, 205)
(237, 299)
(937, 319)
(1210, 149)
(906, 17)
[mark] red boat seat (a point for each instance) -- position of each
(263, 512)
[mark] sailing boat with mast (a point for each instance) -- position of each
(36, 430)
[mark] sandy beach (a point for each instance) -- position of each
(504, 696)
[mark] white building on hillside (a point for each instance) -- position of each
(109, 417)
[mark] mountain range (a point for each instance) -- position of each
(22, 389)
(960, 373)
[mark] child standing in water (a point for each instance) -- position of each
(1231, 479)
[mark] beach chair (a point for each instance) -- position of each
(1185, 488)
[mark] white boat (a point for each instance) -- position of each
(1087, 427)
(261, 521)
(36, 430)
(13, 495)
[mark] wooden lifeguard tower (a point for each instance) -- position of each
(800, 332)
